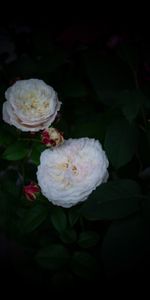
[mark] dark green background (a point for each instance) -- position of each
(105, 94)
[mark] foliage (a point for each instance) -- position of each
(105, 96)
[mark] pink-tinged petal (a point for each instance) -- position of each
(52, 137)
(31, 105)
(69, 173)
(31, 190)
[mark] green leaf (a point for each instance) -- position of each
(37, 149)
(16, 151)
(33, 218)
(68, 236)
(121, 142)
(83, 265)
(5, 210)
(129, 54)
(24, 66)
(73, 215)
(108, 74)
(73, 87)
(130, 103)
(5, 137)
(88, 239)
(53, 257)
(94, 127)
(126, 245)
(11, 184)
(58, 219)
(50, 63)
(113, 200)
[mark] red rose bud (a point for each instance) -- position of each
(52, 137)
(31, 190)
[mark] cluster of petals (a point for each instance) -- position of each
(69, 173)
(31, 190)
(31, 105)
(52, 137)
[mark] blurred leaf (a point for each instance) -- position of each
(126, 245)
(50, 63)
(53, 257)
(58, 219)
(16, 151)
(62, 126)
(5, 137)
(88, 239)
(73, 215)
(5, 210)
(8, 134)
(146, 93)
(33, 218)
(146, 209)
(83, 265)
(113, 200)
(129, 54)
(73, 86)
(37, 149)
(24, 66)
(92, 127)
(144, 147)
(108, 74)
(68, 236)
(121, 142)
(30, 170)
(130, 102)
(80, 109)
(11, 184)
(145, 174)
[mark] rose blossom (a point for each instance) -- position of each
(31, 190)
(52, 137)
(69, 173)
(31, 105)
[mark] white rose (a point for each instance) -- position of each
(31, 105)
(69, 173)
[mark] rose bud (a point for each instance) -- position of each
(52, 137)
(31, 191)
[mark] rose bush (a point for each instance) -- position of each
(55, 202)
(31, 105)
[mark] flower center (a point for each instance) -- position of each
(32, 105)
(68, 167)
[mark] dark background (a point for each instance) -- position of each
(69, 30)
